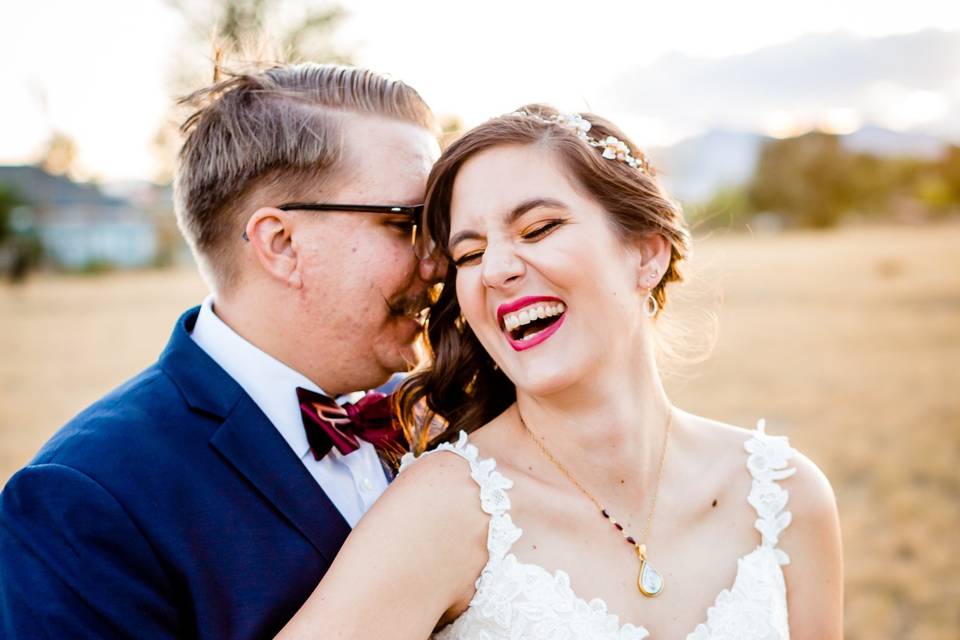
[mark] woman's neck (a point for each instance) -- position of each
(609, 429)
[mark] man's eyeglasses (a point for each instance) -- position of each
(413, 212)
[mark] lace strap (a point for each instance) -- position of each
(502, 533)
(768, 462)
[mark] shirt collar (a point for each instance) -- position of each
(270, 383)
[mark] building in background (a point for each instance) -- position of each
(81, 227)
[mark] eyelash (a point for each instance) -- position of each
(536, 234)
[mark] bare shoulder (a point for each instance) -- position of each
(812, 539)
(711, 448)
(811, 494)
(711, 433)
(720, 444)
(428, 531)
(438, 491)
(433, 506)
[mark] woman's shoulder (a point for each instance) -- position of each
(444, 474)
(732, 446)
(775, 459)
(432, 510)
(454, 476)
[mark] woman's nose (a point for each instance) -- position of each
(501, 265)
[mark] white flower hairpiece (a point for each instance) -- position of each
(613, 148)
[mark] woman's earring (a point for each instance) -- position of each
(650, 305)
(651, 279)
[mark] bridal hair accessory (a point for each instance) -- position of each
(649, 580)
(613, 148)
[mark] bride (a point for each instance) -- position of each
(569, 498)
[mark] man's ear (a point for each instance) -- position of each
(654, 259)
(269, 232)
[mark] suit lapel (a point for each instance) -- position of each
(253, 446)
(250, 443)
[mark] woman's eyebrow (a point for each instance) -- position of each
(512, 216)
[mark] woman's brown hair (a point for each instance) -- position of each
(461, 385)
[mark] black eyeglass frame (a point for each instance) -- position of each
(414, 212)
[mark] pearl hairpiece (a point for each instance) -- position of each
(613, 148)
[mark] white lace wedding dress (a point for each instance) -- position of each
(520, 601)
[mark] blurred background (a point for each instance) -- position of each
(815, 147)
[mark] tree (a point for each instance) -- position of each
(806, 179)
(291, 32)
(223, 34)
(9, 200)
(59, 156)
(19, 243)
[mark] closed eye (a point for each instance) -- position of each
(468, 258)
(542, 230)
(533, 234)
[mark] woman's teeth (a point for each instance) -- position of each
(517, 319)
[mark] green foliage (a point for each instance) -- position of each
(813, 181)
(805, 179)
(9, 200)
(948, 170)
(95, 267)
(729, 208)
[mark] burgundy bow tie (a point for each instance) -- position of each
(331, 425)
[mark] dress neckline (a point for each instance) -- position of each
(767, 462)
(560, 574)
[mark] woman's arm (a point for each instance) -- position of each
(412, 560)
(815, 574)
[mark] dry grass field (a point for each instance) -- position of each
(847, 341)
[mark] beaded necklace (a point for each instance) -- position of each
(649, 580)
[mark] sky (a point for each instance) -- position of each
(101, 70)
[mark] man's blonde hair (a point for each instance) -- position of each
(274, 132)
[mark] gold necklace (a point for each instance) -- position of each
(649, 580)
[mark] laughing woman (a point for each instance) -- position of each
(569, 498)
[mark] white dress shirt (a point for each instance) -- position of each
(353, 481)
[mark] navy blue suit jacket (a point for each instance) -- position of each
(170, 508)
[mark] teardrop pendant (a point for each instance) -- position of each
(650, 582)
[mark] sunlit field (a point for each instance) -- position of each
(846, 341)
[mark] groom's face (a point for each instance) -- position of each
(363, 284)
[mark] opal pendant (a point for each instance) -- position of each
(650, 582)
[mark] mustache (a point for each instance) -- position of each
(410, 306)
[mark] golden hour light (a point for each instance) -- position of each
(655, 308)
(841, 121)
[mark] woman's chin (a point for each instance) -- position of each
(546, 380)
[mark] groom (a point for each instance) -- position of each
(193, 501)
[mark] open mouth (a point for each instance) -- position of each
(533, 322)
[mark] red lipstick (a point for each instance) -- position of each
(538, 338)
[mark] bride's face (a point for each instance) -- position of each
(542, 278)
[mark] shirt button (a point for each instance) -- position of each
(366, 484)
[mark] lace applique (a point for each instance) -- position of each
(516, 600)
(767, 462)
(755, 606)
